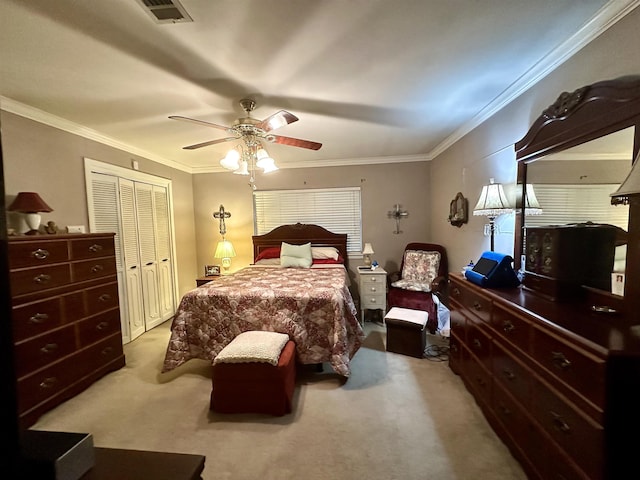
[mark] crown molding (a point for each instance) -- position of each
(32, 113)
(605, 18)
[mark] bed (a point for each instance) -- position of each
(312, 305)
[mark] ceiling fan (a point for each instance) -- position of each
(251, 131)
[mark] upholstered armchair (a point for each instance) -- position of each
(424, 271)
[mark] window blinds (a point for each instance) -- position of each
(562, 204)
(336, 209)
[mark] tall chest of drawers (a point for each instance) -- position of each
(65, 315)
(557, 382)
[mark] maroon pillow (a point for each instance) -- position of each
(321, 261)
(271, 252)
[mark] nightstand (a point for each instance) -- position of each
(373, 290)
(202, 280)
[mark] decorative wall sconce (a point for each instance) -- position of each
(397, 213)
(458, 210)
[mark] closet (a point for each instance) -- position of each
(137, 208)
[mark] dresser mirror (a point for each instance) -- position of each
(573, 186)
(596, 121)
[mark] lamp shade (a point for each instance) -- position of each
(368, 249)
(224, 250)
(492, 201)
(29, 202)
(630, 186)
(531, 205)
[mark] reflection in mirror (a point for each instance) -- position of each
(574, 186)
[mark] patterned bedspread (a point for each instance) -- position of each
(313, 306)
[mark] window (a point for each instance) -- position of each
(563, 204)
(336, 209)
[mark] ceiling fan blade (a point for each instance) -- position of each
(277, 120)
(210, 142)
(294, 142)
(199, 122)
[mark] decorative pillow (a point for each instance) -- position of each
(324, 253)
(271, 252)
(295, 255)
(419, 270)
(328, 261)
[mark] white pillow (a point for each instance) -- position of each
(295, 255)
(324, 253)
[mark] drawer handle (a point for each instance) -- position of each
(49, 348)
(106, 351)
(477, 343)
(97, 268)
(373, 289)
(105, 297)
(508, 327)
(559, 423)
(95, 248)
(454, 348)
(39, 318)
(48, 382)
(509, 375)
(40, 254)
(456, 292)
(42, 279)
(477, 306)
(102, 326)
(480, 381)
(560, 361)
(505, 410)
(373, 300)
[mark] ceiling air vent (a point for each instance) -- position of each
(165, 11)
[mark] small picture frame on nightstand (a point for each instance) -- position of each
(212, 270)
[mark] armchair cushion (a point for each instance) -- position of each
(419, 270)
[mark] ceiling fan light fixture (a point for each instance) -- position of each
(231, 160)
(267, 165)
(243, 169)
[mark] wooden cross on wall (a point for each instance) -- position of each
(221, 214)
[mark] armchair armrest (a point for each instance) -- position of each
(439, 285)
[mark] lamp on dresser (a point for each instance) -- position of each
(30, 204)
(492, 203)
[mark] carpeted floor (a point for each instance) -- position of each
(396, 417)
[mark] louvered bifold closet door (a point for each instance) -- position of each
(163, 251)
(104, 205)
(148, 254)
(132, 265)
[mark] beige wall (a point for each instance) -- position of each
(488, 150)
(382, 187)
(47, 160)
(50, 161)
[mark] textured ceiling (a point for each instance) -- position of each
(372, 80)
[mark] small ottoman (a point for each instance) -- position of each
(246, 381)
(406, 331)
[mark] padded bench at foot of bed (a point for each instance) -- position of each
(255, 387)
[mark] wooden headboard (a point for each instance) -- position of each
(298, 234)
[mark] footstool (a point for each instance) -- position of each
(255, 373)
(406, 331)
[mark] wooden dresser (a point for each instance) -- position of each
(557, 382)
(66, 317)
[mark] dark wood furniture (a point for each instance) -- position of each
(202, 280)
(557, 380)
(298, 234)
(65, 317)
(117, 464)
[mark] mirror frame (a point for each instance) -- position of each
(588, 113)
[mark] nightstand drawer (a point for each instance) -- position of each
(373, 301)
